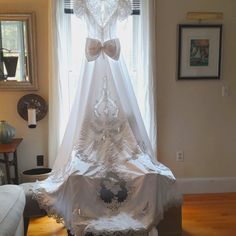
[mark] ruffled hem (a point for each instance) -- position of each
(41, 198)
(169, 196)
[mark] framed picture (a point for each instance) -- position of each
(199, 54)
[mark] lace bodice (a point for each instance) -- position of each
(101, 16)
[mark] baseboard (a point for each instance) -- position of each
(206, 185)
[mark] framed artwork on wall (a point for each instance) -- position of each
(199, 52)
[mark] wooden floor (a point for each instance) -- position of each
(203, 215)
(209, 215)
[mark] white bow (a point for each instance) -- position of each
(94, 48)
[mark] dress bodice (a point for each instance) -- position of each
(101, 16)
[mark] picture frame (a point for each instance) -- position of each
(199, 51)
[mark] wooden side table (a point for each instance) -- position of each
(6, 149)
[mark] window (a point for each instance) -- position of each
(127, 32)
(137, 36)
(13, 48)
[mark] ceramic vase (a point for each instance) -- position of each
(7, 132)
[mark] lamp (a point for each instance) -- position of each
(31, 111)
(204, 16)
(10, 63)
(32, 108)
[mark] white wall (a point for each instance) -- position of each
(35, 141)
(192, 115)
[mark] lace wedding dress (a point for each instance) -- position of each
(106, 180)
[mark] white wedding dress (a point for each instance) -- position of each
(106, 180)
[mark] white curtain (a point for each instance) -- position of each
(58, 76)
(65, 62)
(142, 64)
(148, 68)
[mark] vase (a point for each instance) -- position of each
(7, 132)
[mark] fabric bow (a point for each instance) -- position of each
(94, 48)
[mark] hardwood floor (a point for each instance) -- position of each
(209, 215)
(45, 226)
(203, 215)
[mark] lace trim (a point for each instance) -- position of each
(173, 199)
(131, 232)
(114, 191)
(106, 137)
(44, 204)
(119, 225)
(79, 8)
(40, 196)
(124, 9)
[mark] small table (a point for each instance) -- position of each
(6, 149)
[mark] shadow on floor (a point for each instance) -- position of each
(185, 233)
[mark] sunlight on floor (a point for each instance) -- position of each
(45, 226)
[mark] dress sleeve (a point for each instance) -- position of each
(124, 9)
(79, 8)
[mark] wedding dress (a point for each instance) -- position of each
(106, 180)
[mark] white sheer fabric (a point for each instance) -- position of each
(67, 56)
(58, 89)
(147, 35)
(106, 165)
(141, 63)
(66, 61)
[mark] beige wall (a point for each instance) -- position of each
(35, 140)
(192, 115)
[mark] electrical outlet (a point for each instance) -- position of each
(225, 91)
(39, 160)
(179, 156)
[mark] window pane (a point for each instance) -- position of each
(12, 41)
